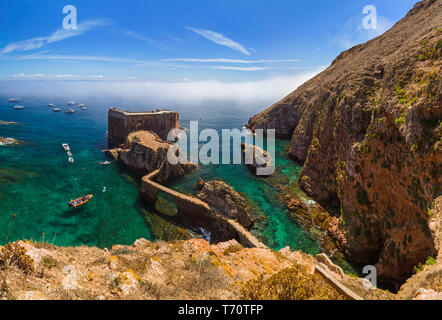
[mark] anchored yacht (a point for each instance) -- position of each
(17, 107)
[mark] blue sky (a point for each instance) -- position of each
(182, 41)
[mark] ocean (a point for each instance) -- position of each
(37, 182)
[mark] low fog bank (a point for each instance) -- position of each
(249, 94)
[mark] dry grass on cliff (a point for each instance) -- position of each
(293, 283)
(13, 255)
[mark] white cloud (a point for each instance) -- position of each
(59, 35)
(221, 60)
(23, 75)
(218, 38)
(66, 75)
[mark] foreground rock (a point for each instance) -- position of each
(191, 269)
(368, 133)
(226, 201)
(259, 159)
(146, 152)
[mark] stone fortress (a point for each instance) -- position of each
(122, 123)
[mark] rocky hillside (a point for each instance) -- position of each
(191, 269)
(368, 132)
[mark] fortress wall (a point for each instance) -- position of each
(122, 123)
(194, 211)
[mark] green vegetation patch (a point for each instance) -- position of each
(294, 283)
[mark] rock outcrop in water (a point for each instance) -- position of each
(226, 201)
(8, 123)
(260, 158)
(368, 132)
(8, 141)
(145, 152)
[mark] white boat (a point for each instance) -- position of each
(56, 109)
(17, 107)
(83, 108)
(70, 111)
(69, 154)
(50, 105)
(72, 103)
(66, 147)
(16, 100)
(71, 160)
(81, 105)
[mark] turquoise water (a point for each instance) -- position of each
(36, 180)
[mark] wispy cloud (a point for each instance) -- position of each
(144, 63)
(43, 76)
(149, 41)
(34, 75)
(75, 57)
(221, 60)
(218, 38)
(59, 35)
(239, 68)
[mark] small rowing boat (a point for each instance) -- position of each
(80, 201)
(66, 147)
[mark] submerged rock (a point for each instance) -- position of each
(11, 175)
(226, 201)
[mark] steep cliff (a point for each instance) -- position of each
(368, 132)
